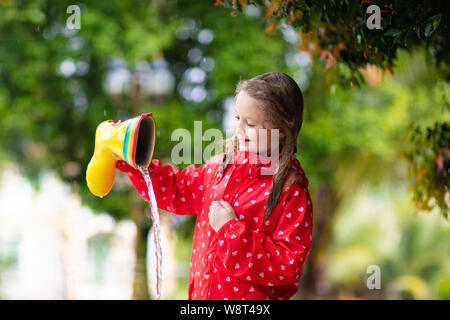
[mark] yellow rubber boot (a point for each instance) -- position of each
(132, 140)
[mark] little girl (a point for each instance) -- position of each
(253, 229)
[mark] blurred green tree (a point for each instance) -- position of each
(52, 97)
(343, 32)
(376, 227)
(357, 138)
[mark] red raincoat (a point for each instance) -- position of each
(246, 258)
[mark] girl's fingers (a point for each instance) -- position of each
(225, 204)
(216, 204)
(220, 204)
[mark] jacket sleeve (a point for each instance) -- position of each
(276, 259)
(176, 191)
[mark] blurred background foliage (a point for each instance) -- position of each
(357, 140)
(348, 35)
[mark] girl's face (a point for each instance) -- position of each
(253, 127)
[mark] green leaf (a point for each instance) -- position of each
(393, 33)
(433, 23)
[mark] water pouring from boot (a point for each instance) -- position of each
(134, 142)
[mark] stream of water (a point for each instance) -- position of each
(156, 230)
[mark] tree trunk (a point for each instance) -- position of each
(313, 284)
(140, 283)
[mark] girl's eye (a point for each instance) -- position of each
(248, 124)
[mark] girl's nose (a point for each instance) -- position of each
(240, 128)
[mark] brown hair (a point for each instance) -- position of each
(282, 100)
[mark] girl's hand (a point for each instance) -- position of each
(220, 212)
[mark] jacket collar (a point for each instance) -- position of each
(262, 165)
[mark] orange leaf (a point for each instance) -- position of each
(336, 51)
(342, 46)
(270, 11)
(308, 37)
(300, 48)
(330, 60)
(270, 28)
